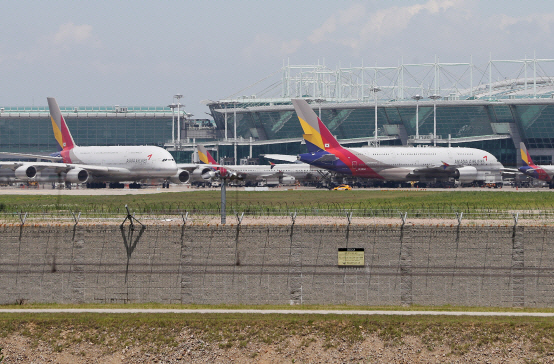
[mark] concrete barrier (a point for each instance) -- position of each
(296, 264)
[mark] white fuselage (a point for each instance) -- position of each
(299, 171)
(397, 163)
(124, 163)
(410, 163)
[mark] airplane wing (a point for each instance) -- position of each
(188, 166)
(64, 167)
(435, 169)
(327, 158)
(282, 157)
(192, 166)
(510, 172)
(6, 155)
(277, 174)
(58, 167)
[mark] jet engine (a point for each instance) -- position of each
(466, 174)
(287, 180)
(208, 173)
(182, 176)
(26, 172)
(77, 175)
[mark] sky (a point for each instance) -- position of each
(141, 53)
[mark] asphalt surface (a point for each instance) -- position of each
(47, 190)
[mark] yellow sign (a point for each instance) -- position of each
(351, 257)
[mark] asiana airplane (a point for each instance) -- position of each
(540, 172)
(95, 164)
(272, 174)
(397, 164)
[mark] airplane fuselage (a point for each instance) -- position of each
(300, 171)
(124, 163)
(405, 163)
(540, 172)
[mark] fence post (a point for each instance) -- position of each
(76, 218)
(239, 219)
(349, 217)
(131, 218)
(293, 217)
(404, 217)
(459, 217)
(22, 218)
(185, 217)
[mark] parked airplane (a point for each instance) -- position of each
(201, 172)
(97, 164)
(272, 174)
(540, 172)
(399, 164)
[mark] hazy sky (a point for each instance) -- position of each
(143, 52)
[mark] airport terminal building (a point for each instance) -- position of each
(492, 107)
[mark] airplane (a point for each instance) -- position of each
(96, 165)
(272, 174)
(540, 172)
(395, 164)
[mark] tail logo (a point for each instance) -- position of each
(324, 148)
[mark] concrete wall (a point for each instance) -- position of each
(258, 264)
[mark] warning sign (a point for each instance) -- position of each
(351, 257)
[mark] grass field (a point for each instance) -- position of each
(286, 200)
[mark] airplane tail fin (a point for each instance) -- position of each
(317, 136)
(61, 131)
(525, 157)
(205, 156)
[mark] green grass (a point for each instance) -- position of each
(411, 201)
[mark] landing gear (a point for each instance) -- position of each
(96, 185)
(117, 185)
(165, 184)
(135, 185)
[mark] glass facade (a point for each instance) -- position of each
(537, 125)
(33, 134)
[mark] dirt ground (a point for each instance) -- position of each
(294, 349)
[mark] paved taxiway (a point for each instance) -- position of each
(295, 312)
(185, 188)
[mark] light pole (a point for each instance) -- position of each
(225, 113)
(187, 123)
(235, 130)
(417, 98)
(223, 199)
(178, 97)
(319, 101)
(172, 107)
(434, 98)
(375, 89)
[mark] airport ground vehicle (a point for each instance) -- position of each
(342, 188)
